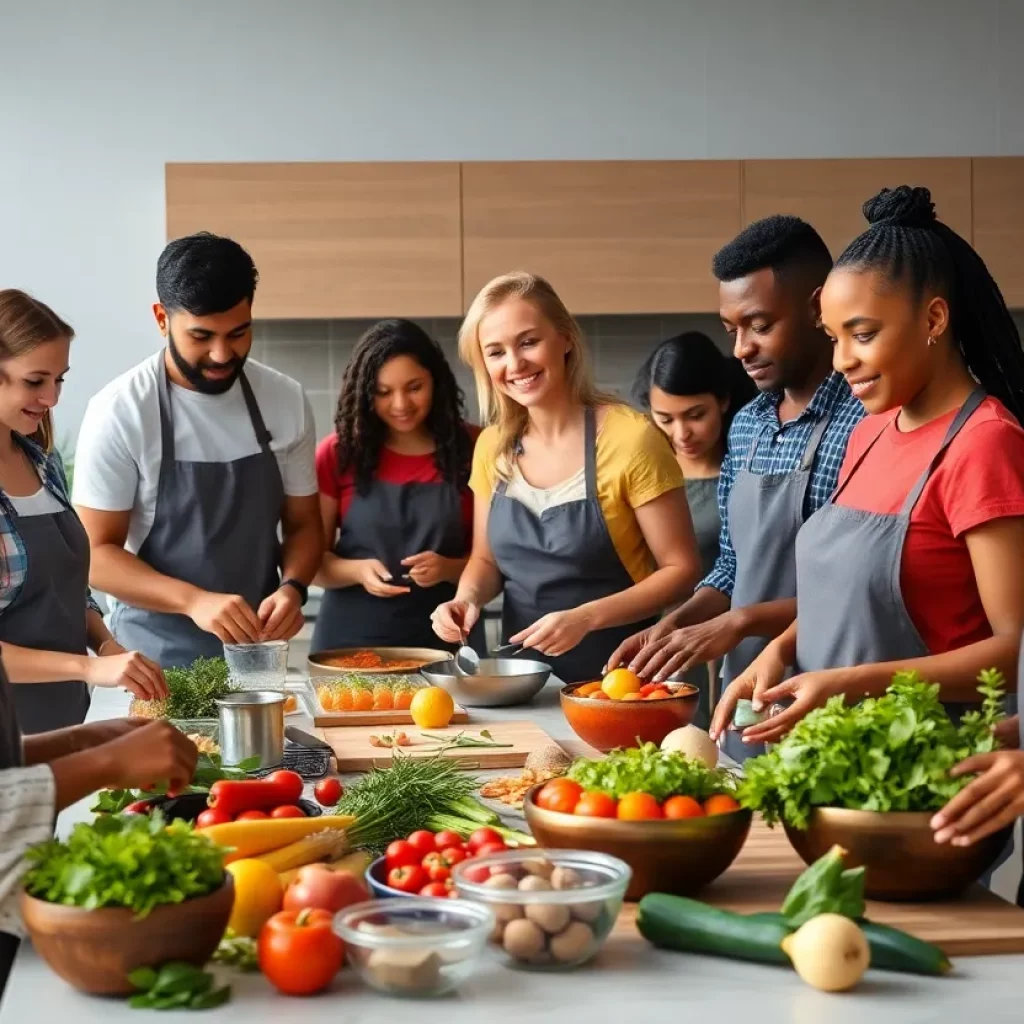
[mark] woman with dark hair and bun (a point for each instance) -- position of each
(394, 496)
(692, 391)
(917, 561)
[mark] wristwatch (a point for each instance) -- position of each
(301, 587)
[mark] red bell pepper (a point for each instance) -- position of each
(233, 796)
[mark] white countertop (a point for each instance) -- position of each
(627, 980)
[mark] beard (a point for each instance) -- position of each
(194, 373)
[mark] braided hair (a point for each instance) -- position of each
(909, 245)
(361, 433)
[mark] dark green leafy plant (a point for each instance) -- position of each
(176, 986)
(193, 691)
(133, 861)
(888, 753)
(647, 769)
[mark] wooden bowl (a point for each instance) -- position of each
(95, 950)
(898, 849)
(607, 724)
(679, 857)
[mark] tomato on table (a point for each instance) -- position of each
(638, 807)
(252, 816)
(560, 795)
(401, 853)
(423, 840)
(447, 838)
(596, 805)
(299, 952)
(408, 878)
(678, 807)
(328, 792)
(720, 803)
(482, 836)
(288, 811)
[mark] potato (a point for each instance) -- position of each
(575, 942)
(552, 917)
(523, 939)
(566, 878)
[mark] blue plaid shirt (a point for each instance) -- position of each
(780, 449)
(14, 569)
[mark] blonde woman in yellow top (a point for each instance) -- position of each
(580, 509)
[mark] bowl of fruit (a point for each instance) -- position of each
(674, 820)
(622, 710)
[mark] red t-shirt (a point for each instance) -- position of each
(393, 468)
(980, 478)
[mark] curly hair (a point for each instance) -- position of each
(361, 434)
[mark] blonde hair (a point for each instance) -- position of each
(25, 324)
(497, 408)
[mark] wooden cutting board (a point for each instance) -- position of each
(355, 753)
(385, 719)
(979, 923)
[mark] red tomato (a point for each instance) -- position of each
(401, 854)
(251, 816)
(288, 811)
(433, 860)
(454, 855)
(445, 839)
(720, 803)
(409, 878)
(481, 837)
(316, 885)
(677, 807)
(489, 848)
(596, 805)
(290, 781)
(560, 795)
(423, 841)
(648, 688)
(211, 816)
(453, 894)
(438, 873)
(328, 792)
(436, 889)
(477, 874)
(299, 952)
(638, 807)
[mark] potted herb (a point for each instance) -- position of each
(122, 893)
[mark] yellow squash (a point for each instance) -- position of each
(251, 838)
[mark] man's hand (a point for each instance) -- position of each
(994, 800)
(374, 578)
(227, 616)
(155, 752)
(689, 646)
(280, 614)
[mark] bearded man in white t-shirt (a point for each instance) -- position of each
(194, 473)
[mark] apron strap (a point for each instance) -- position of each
(166, 420)
(255, 416)
(967, 410)
(590, 451)
(814, 441)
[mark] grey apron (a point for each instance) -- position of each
(49, 615)
(702, 497)
(765, 516)
(389, 523)
(865, 619)
(557, 561)
(215, 526)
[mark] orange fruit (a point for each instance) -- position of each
(638, 807)
(720, 803)
(587, 689)
(343, 700)
(631, 696)
(676, 807)
(432, 707)
(619, 682)
(383, 700)
(599, 695)
(326, 697)
(362, 700)
(660, 693)
(403, 700)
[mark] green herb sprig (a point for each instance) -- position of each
(176, 986)
(193, 691)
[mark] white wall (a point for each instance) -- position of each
(95, 97)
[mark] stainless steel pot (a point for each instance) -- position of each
(252, 725)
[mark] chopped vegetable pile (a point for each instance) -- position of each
(889, 753)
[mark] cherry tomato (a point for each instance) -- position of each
(299, 952)
(445, 839)
(291, 781)
(453, 855)
(638, 807)
(436, 889)
(477, 874)
(489, 848)
(596, 805)
(433, 860)
(408, 878)
(482, 836)
(720, 803)
(453, 894)
(560, 795)
(438, 873)
(252, 816)
(212, 816)
(328, 792)
(677, 807)
(423, 841)
(288, 811)
(401, 854)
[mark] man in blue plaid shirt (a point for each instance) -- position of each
(783, 456)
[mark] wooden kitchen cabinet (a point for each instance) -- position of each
(998, 191)
(333, 240)
(829, 194)
(611, 236)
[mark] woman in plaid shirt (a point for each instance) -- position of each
(48, 619)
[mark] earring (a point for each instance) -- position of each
(931, 339)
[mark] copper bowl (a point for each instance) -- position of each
(679, 857)
(96, 950)
(608, 724)
(903, 861)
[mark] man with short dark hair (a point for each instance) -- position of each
(188, 465)
(782, 460)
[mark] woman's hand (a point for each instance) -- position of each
(555, 633)
(763, 676)
(108, 647)
(133, 671)
(428, 568)
(689, 646)
(808, 691)
(994, 800)
(373, 577)
(453, 620)
(636, 645)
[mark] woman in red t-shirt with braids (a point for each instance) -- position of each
(917, 562)
(397, 511)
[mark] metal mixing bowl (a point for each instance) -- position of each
(499, 682)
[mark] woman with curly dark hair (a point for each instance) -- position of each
(394, 496)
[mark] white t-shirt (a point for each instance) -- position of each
(42, 503)
(117, 461)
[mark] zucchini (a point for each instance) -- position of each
(673, 922)
(893, 950)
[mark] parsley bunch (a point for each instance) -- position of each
(137, 861)
(888, 753)
(647, 769)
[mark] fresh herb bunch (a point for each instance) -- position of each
(193, 691)
(136, 861)
(238, 951)
(647, 769)
(888, 753)
(176, 986)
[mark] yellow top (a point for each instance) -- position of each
(635, 465)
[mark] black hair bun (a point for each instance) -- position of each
(905, 206)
